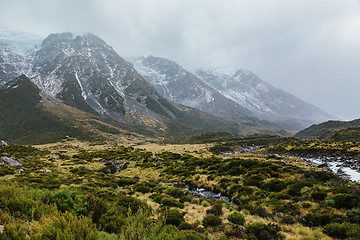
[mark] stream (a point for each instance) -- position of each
(337, 167)
(204, 193)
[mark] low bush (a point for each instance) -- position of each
(319, 195)
(134, 204)
(125, 181)
(112, 221)
(175, 192)
(215, 210)
(211, 221)
(346, 200)
(262, 231)
(64, 226)
(274, 185)
(343, 230)
(353, 216)
(236, 218)
(315, 219)
(174, 217)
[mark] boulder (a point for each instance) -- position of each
(3, 143)
(10, 161)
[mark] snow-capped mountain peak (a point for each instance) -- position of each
(248, 90)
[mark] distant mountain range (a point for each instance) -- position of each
(238, 95)
(83, 74)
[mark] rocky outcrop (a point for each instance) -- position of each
(10, 161)
(3, 143)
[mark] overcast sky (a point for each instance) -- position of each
(310, 48)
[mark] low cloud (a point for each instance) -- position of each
(309, 48)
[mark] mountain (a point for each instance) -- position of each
(84, 73)
(248, 90)
(11, 64)
(28, 116)
(333, 130)
(226, 96)
(23, 118)
(178, 85)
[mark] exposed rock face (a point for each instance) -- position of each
(9, 161)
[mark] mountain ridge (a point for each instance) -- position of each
(333, 130)
(247, 89)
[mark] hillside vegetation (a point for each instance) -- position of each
(78, 190)
(333, 130)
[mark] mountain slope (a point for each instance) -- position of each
(23, 119)
(250, 91)
(334, 130)
(176, 84)
(11, 64)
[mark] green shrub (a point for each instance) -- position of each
(287, 208)
(185, 226)
(254, 180)
(315, 219)
(346, 200)
(319, 195)
(64, 199)
(112, 221)
(306, 205)
(343, 230)
(175, 192)
(295, 188)
(174, 217)
(261, 231)
(81, 171)
(274, 185)
(170, 202)
(186, 198)
(236, 218)
(211, 221)
(64, 226)
(97, 207)
(142, 187)
(353, 216)
(125, 181)
(236, 231)
(215, 210)
(134, 204)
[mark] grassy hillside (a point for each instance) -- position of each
(333, 130)
(27, 118)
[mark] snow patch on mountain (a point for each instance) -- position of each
(248, 90)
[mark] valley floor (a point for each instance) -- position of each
(145, 190)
